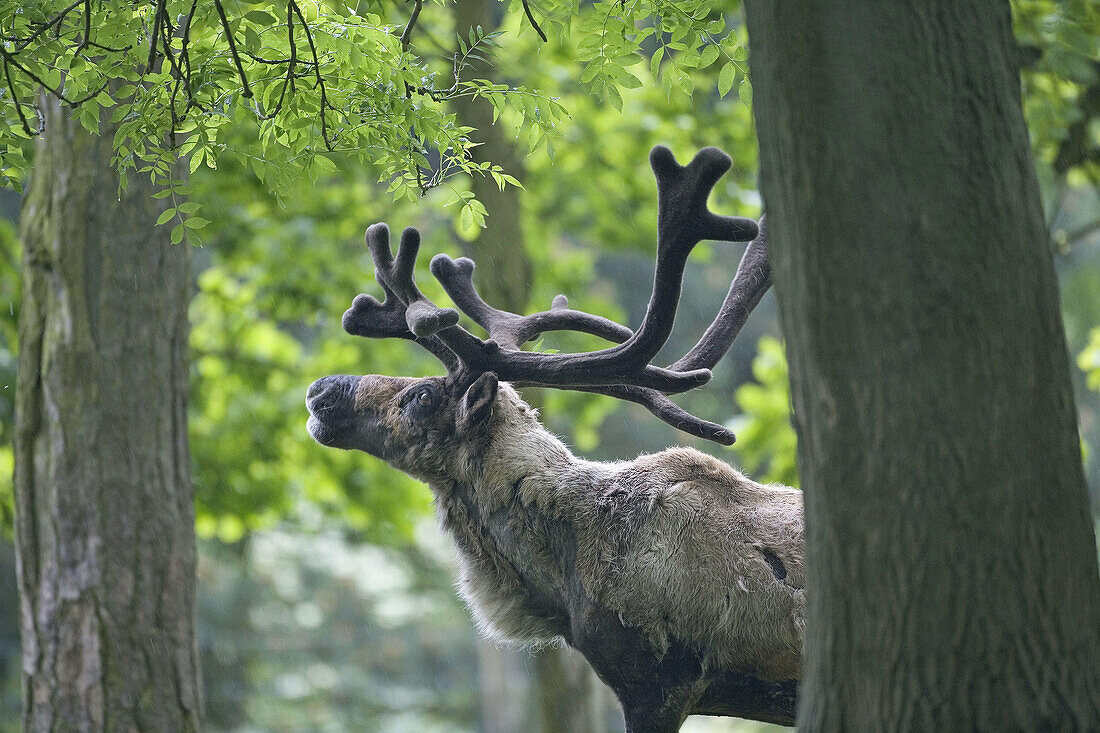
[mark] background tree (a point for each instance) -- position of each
(105, 519)
(951, 553)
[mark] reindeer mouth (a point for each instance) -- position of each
(320, 432)
(333, 420)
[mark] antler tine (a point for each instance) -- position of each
(752, 280)
(683, 221)
(372, 319)
(422, 316)
(390, 319)
(668, 411)
(511, 330)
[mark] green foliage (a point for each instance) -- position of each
(318, 82)
(674, 38)
(766, 441)
(1089, 361)
(313, 81)
(1060, 48)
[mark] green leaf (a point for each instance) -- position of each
(725, 78)
(744, 91)
(324, 164)
(655, 61)
(615, 98)
(466, 218)
(708, 56)
(259, 17)
(251, 39)
(165, 216)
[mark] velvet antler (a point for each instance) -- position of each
(622, 371)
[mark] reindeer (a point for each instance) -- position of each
(679, 579)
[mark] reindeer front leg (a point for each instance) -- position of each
(655, 710)
(655, 687)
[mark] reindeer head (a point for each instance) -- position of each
(424, 425)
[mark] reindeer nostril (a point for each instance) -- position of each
(317, 387)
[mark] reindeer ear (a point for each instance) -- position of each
(477, 403)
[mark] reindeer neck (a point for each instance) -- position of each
(527, 466)
(516, 551)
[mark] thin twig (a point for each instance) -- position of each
(406, 35)
(534, 24)
(14, 98)
(317, 70)
(109, 49)
(293, 52)
(55, 91)
(154, 36)
(166, 33)
(46, 26)
(247, 93)
(87, 28)
(74, 103)
(185, 55)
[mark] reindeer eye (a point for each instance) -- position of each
(424, 398)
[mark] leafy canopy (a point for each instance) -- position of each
(319, 81)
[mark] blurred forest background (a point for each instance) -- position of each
(326, 599)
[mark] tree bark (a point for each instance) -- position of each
(104, 515)
(952, 566)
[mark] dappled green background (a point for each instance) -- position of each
(326, 597)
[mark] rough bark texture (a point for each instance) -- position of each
(952, 566)
(104, 516)
(569, 696)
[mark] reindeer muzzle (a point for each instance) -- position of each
(333, 419)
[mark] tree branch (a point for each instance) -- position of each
(247, 93)
(55, 91)
(47, 25)
(406, 35)
(87, 29)
(317, 71)
(534, 24)
(154, 36)
(14, 97)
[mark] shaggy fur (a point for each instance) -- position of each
(680, 579)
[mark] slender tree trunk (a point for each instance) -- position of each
(568, 695)
(501, 244)
(952, 565)
(104, 516)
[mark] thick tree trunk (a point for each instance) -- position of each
(104, 516)
(568, 695)
(952, 565)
